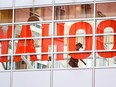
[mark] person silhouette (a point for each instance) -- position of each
(74, 62)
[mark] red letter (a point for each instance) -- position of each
(100, 39)
(47, 41)
(26, 32)
(72, 41)
(4, 44)
(59, 41)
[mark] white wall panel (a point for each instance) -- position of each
(41, 2)
(82, 0)
(105, 0)
(105, 78)
(23, 2)
(64, 1)
(5, 3)
(72, 78)
(4, 79)
(31, 79)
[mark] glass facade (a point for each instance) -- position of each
(37, 34)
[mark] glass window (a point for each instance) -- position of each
(73, 28)
(106, 42)
(33, 14)
(106, 26)
(40, 45)
(64, 62)
(105, 59)
(5, 47)
(69, 44)
(6, 31)
(6, 16)
(33, 30)
(107, 10)
(79, 11)
(28, 62)
(33, 37)
(5, 63)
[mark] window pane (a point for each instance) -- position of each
(106, 42)
(80, 63)
(108, 10)
(70, 44)
(40, 45)
(33, 14)
(5, 65)
(27, 62)
(73, 28)
(6, 31)
(6, 16)
(101, 60)
(33, 30)
(5, 47)
(73, 11)
(28, 46)
(106, 26)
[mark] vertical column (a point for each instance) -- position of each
(52, 59)
(94, 46)
(13, 15)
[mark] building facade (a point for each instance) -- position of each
(38, 38)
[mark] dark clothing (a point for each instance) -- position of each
(73, 62)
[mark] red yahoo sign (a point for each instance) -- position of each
(59, 42)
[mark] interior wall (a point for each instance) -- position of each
(22, 15)
(107, 9)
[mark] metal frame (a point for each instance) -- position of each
(55, 21)
(53, 4)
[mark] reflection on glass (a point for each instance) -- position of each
(73, 28)
(41, 45)
(107, 10)
(46, 60)
(106, 42)
(64, 63)
(73, 11)
(5, 31)
(26, 62)
(32, 30)
(33, 14)
(27, 46)
(6, 16)
(106, 26)
(5, 47)
(46, 45)
(5, 63)
(69, 44)
(101, 60)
